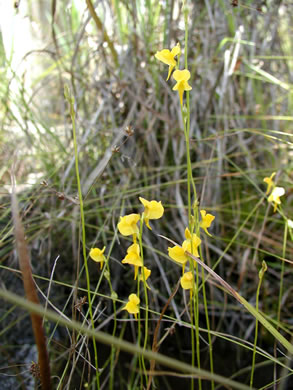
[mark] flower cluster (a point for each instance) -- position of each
(127, 226)
(180, 76)
(276, 192)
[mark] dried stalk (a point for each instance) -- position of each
(30, 292)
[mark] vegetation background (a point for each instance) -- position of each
(131, 144)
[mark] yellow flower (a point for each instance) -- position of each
(275, 196)
(133, 258)
(167, 57)
(182, 77)
(191, 238)
(132, 304)
(128, 225)
(269, 181)
(206, 220)
(147, 273)
(177, 253)
(152, 210)
(97, 255)
(187, 281)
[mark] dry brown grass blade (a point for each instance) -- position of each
(30, 292)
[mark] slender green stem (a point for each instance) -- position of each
(140, 358)
(207, 320)
(145, 293)
(144, 284)
(196, 308)
(70, 100)
(192, 311)
(191, 222)
(113, 349)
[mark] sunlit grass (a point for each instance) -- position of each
(130, 143)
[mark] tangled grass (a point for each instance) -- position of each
(130, 143)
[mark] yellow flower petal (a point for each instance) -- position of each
(176, 50)
(146, 273)
(180, 88)
(132, 305)
(187, 246)
(192, 248)
(187, 234)
(171, 67)
(167, 57)
(269, 181)
(128, 224)
(177, 254)
(97, 255)
(134, 298)
(181, 76)
(206, 220)
(275, 196)
(133, 258)
(152, 210)
(186, 281)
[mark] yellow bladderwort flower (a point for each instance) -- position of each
(206, 220)
(191, 238)
(128, 225)
(191, 245)
(97, 255)
(187, 281)
(132, 305)
(178, 254)
(269, 181)
(275, 196)
(147, 273)
(152, 210)
(168, 57)
(182, 77)
(133, 258)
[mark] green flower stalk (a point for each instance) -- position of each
(70, 100)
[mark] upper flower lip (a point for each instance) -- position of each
(182, 77)
(167, 57)
(97, 255)
(132, 304)
(133, 256)
(152, 210)
(127, 225)
(186, 280)
(206, 220)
